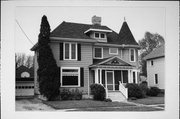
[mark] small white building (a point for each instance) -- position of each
(156, 68)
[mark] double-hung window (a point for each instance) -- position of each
(70, 51)
(70, 76)
(98, 53)
(132, 55)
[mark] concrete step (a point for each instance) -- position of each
(116, 96)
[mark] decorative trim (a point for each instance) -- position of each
(58, 39)
(117, 45)
(102, 30)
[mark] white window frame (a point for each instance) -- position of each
(70, 53)
(130, 55)
(113, 53)
(99, 35)
(78, 76)
(155, 79)
(101, 53)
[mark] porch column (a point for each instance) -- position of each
(100, 76)
(96, 75)
(122, 77)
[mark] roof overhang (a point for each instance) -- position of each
(151, 58)
(116, 45)
(99, 30)
(57, 39)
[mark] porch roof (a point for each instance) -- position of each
(112, 62)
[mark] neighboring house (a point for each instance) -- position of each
(24, 81)
(156, 68)
(93, 53)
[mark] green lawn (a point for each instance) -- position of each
(149, 100)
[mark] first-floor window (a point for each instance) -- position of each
(70, 76)
(156, 78)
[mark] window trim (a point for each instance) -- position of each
(130, 55)
(99, 35)
(101, 53)
(113, 53)
(70, 53)
(78, 76)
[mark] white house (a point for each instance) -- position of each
(156, 68)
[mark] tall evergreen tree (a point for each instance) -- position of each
(48, 72)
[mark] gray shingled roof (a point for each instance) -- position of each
(76, 30)
(156, 53)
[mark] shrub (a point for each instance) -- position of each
(98, 92)
(134, 90)
(153, 91)
(66, 94)
(108, 100)
(144, 89)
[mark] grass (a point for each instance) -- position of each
(150, 100)
(91, 105)
(83, 104)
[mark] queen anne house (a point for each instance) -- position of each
(93, 53)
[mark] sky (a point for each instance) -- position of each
(139, 19)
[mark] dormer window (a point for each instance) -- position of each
(99, 35)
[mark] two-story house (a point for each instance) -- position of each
(155, 61)
(93, 53)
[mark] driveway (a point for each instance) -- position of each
(31, 105)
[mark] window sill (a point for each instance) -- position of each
(70, 86)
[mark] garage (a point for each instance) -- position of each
(24, 81)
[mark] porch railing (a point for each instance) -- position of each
(105, 90)
(123, 89)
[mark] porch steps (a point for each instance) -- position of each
(116, 96)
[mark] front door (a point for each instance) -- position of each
(110, 80)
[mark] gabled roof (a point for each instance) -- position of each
(111, 61)
(22, 69)
(156, 53)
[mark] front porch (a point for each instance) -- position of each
(113, 73)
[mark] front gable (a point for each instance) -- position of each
(116, 62)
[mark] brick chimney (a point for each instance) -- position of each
(96, 20)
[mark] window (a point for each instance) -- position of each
(70, 51)
(70, 76)
(96, 35)
(152, 63)
(156, 78)
(100, 35)
(113, 51)
(98, 53)
(132, 55)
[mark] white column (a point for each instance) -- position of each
(96, 75)
(122, 77)
(100, 76)
(129, 76)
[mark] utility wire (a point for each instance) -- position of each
(24, 32)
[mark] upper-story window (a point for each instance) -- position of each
(98, 53)
(132, 55)
(99, 35)
(113, 51)
(70, 51)
(152, 62)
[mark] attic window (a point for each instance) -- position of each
(99, 35)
